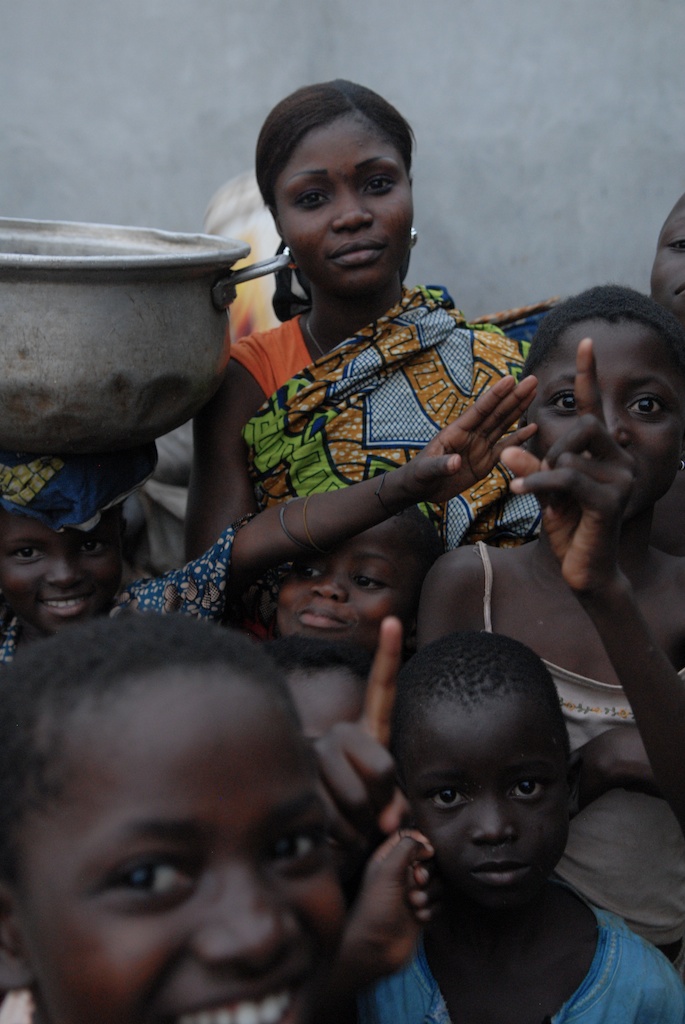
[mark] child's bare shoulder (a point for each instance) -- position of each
(453, 592)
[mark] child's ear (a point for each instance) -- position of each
(573, 781)
(15, 971)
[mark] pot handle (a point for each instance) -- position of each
(223, 292)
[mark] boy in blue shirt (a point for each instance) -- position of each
(483, 756)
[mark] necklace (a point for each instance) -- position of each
(309, 331)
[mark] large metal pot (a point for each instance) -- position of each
(110, 336)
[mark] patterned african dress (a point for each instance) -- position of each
(376, 399)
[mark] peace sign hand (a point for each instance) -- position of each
(583, 483)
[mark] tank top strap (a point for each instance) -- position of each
(484, 554)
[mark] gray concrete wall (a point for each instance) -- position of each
(551, 139)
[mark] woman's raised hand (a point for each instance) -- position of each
(583, 484)
(465, 451)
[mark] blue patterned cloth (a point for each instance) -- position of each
(198, 589)
(71, 490)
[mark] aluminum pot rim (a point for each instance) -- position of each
(133, 248)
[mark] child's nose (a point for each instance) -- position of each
(330, 587)
(617, 424)
(64, 572)
(245, 930)
(493, 823)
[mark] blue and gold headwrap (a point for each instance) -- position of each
(71, 490)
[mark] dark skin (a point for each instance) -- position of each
(52, 579)
(394, 896)
(668, 289)
(462, 453)
(512, 968)
(489, 786)
(344, 186)
(593, 571)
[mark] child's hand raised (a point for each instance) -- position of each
(356, 768)
(465, 451)
(583, 483)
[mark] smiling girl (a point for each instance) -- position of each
(163, 856)
(594, 599)
(361, 380)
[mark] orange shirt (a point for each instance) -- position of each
(273, 357)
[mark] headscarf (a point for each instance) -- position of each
(71, 490)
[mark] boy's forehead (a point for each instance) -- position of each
(602, 332)
(504, 725)
(675, 217)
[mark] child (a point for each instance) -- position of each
(59, 523)
(347, 593)
(483, 755)
(327, 680)
(61, 532)
(668, 269)
(667, 281)
(594, 599)
(163, 850)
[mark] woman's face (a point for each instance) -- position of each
(344, 206)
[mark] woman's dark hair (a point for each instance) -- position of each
(614, 304)
(315, 106)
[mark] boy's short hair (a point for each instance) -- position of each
(470, 668)
(87, 665)
(612, 303)
(312, 653)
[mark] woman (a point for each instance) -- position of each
(361, 380)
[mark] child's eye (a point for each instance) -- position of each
(646, 405)
(299, 844)
(679, 244)
(305, 572)
(565, 400)
(156, 879)
(448, 797)
(92, 546)
(527, 788)
(26, 554)
(368, 583)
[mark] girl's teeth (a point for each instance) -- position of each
(268, 1011)
(247, 1014)
(273, 1008)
